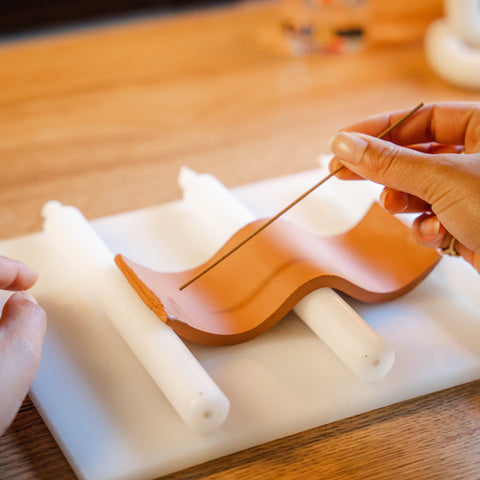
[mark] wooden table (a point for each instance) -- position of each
(103, 119)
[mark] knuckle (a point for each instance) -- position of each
(381, 160)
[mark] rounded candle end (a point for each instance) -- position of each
(50, 207)
(208, 412)
(185, 176)
(377, 365)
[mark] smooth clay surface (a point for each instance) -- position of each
(252, 289)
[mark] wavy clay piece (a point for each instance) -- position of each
(251, 290)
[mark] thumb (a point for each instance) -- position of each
(391, 165)
(22, 328)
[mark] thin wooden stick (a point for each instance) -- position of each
(288, 207)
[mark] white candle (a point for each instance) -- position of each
(352, 340)
(184, 382)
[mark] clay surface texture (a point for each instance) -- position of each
(251, 290)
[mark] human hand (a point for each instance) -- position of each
(22, 328)
(429, 165)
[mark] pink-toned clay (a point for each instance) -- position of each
(255, 287)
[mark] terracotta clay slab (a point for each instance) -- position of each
(254, 288)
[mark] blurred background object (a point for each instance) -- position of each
(343, 26)
(453, 43)
(324, 26)
(307, 26)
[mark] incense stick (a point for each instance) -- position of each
(292, 204)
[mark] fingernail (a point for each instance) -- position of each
(348, 146)
(29, 297)
(383, 195)
(402, 203)
(396, 204)
(430, 226)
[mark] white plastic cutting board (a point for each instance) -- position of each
(111, 420)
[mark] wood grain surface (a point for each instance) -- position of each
(103, 118)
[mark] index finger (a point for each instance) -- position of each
(15, 275)
(447, 123)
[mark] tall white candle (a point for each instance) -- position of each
(184, 382)
(352, 340)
